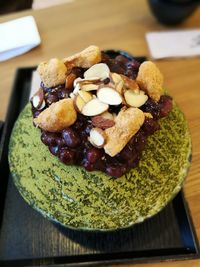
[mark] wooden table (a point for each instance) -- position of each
(117, 24)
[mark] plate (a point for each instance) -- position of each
(77, 199)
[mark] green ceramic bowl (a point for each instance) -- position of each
(92, 201)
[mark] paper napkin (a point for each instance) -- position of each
(17, 37)
(184, 43)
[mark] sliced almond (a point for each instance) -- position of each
(119, 87)
(109, 96)
(86, 96)
(97, 137)
(86, 85)
(100, 70)
(71, 95)
(107, 115)
(86, 81)
(114, 116)
(89, 87)
(90, 80)
(76, 89)
(94, 107)
(77, 80)
(134, 99)
(42, 105)
(38, 99)
(118, 81)
(79, 103)
(141, 92)
(116, 77)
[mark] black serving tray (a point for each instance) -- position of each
(27, 239)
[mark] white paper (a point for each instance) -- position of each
(35, 83)
(17, 37)
(184, 43)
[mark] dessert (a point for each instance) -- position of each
(92, 104)
(93, 200)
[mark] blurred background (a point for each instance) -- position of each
(12, 5)
(168, 12)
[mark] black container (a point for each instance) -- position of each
(171, 12)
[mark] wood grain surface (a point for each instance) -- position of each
(117, 24)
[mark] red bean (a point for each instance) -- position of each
(116, 170)
(122, 59)
(127, 153)
(54, 150)
(51, 98)
(93, 154)
(166, 105)
(66, 155)
(49, 139)
(70, 137)
(150, 126)
(72, 145)
(152, 107)
(87, 165)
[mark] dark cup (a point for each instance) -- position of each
(171, 12)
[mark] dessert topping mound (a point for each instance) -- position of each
(97, 111)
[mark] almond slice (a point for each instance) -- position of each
(89, 87)
(109, 96)
(76, 89)
(100, 70)
(81, 99)
(116, 77)
(86, 96)
(38, 99)
(79, 103)
(97, 137)
(42, 105)
(90, 80)
(86, 81)
(107, 115)
(77, 80)
(141, 92)
(114, 116)
(36, 102)
(118, 81)
(94, 107)
(134, 99)
(86, 85)
(71, 95)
